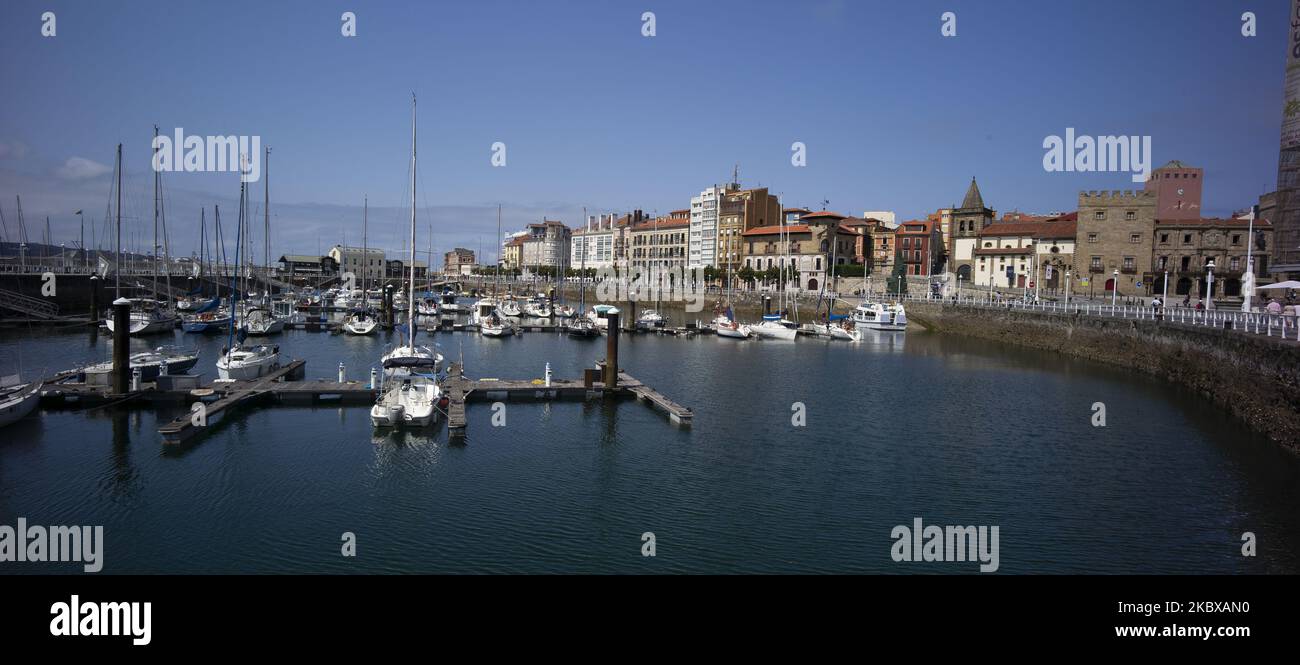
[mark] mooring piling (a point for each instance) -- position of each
(121, 344)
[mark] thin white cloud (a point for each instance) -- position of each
(80, 168)
(16, 150)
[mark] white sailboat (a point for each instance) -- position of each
(240, 361)
(17, 399)
(361, 320)
(490, 323)
(410, 394)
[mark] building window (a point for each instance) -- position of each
(1128, 263)
(1092, 237)
(1236, 238)
(1187, 238)
(1233, 264)
(1096, 262)
(1164, 237)
(1135, 238)
(1130, 215)
(1100, 214)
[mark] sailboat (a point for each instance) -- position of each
(581, 326)
(490, 323)
(240, 361)
(361, 320)
(776, 326)
(263, 320)
(147, 316)
(210, 317)
(726, 325)
(836, 326)
(17, 399)
(410, 394)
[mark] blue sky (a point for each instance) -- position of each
(894, 116)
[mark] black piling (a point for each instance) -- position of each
(121, 345)
(611, 351)
(94, 300)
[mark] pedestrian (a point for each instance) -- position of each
(1157, 308)
(1200, 305)
(1274, 306)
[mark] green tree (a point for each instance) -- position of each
(898, 279)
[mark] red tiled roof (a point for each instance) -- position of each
(903, 227)
(822, 213)
(769, 230)
(664, 223)
(1031, 229)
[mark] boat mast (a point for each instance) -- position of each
(154, 257)
(365, 251)
(266, 223)
(410, 304)
(117, 268)
(496, 279)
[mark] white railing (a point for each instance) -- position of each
(1254, 323)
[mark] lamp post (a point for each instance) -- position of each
(1067, 288)
(1114, 291)
(1209, 284)
(1164, 300)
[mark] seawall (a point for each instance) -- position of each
(1254, 377)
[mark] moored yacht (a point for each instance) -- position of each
(877, 316)
(774, 327)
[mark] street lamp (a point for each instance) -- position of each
(1164, 300)
(1209, 284)
(1114, 291)
(1067, 288)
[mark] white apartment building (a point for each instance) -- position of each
(593, 244)
(353, 260)
(703, 242)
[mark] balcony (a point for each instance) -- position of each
(1096, 269)
(1128, 270)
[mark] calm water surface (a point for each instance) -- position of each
(951, 430)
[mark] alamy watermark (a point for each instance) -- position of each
(671, 284)
(208, 153)
(40, 544)
(1098, 154)
(933, 543)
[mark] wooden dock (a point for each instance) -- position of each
(287, 386)
(462, 390)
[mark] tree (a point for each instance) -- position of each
(898, 279)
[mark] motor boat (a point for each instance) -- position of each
(410, 394)
(360, 322)
(649, 320)
(582, 327)
(563, 312)
(597, 315)
(163, 360)
(878, 316)
(147, 318)
(17, 399)
(261, 321)
(243, 362)
(774, 327)
(426, 306)
(726, 327)
(285, 311)
(449, 304)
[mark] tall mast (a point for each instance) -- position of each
(410, 301)
(154, 257)
(117, 268)
(266, 223)
(497, 277)
(365, 251)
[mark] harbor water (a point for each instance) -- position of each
(802, 457)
